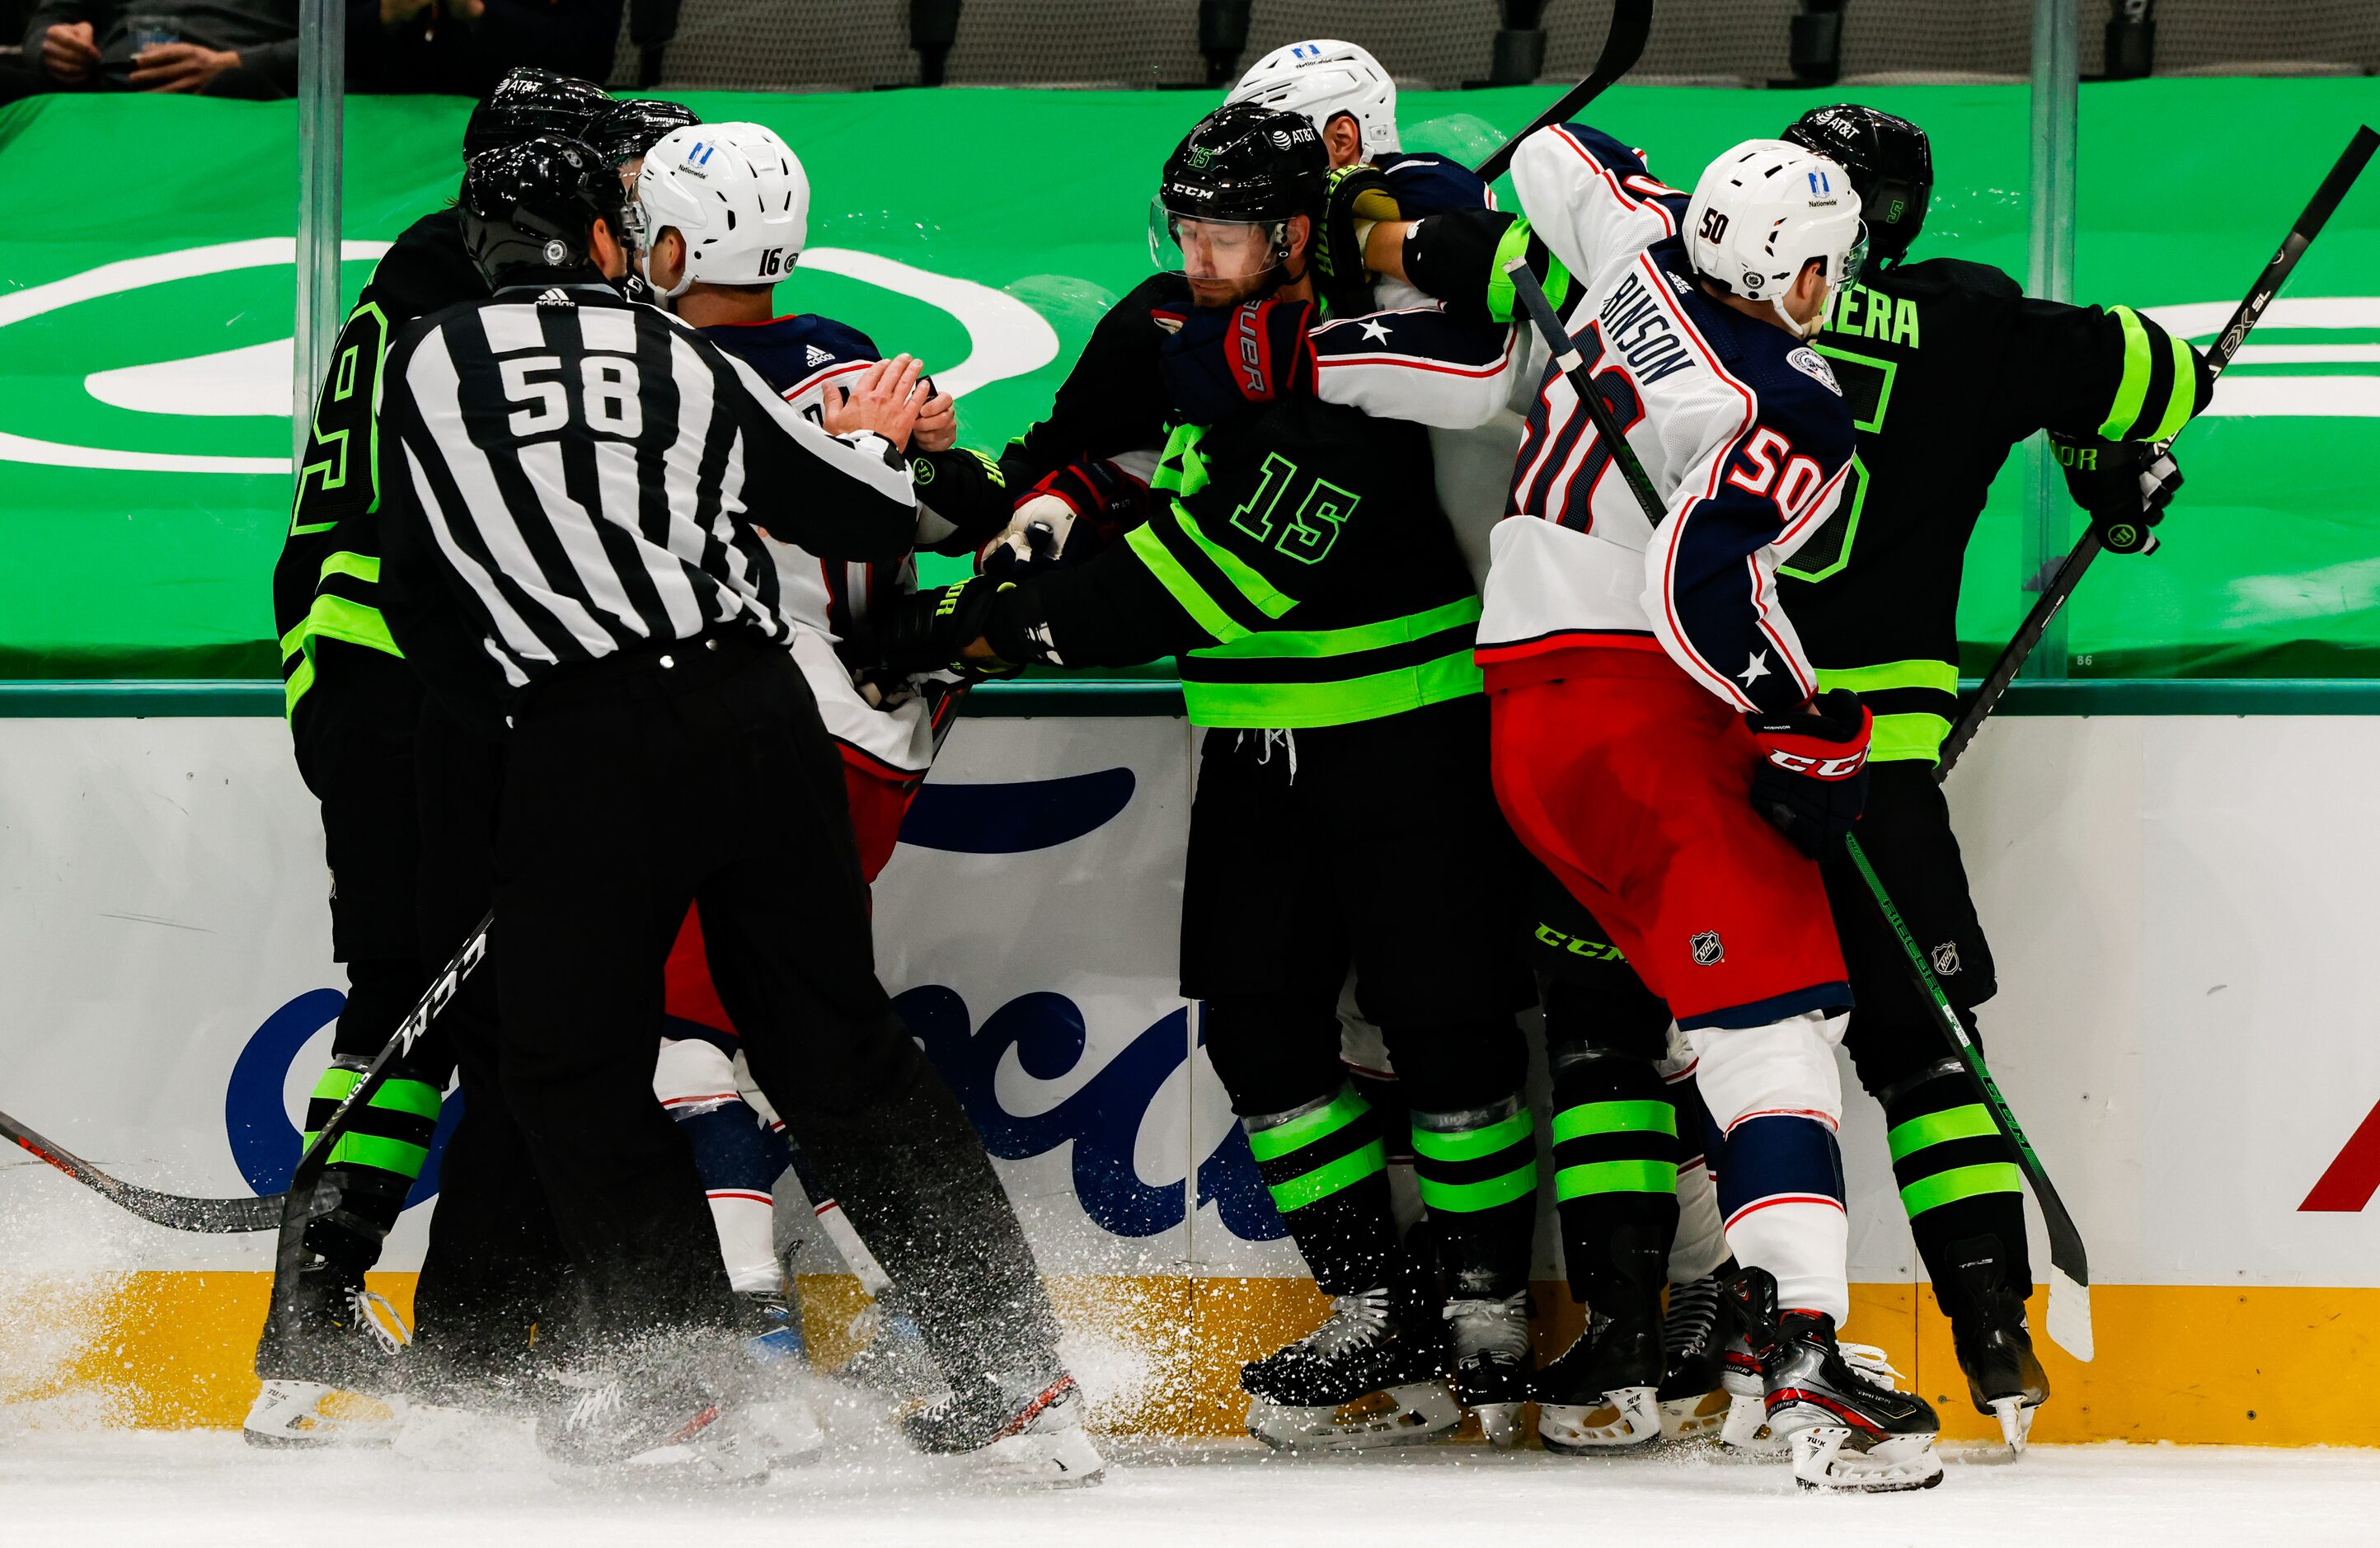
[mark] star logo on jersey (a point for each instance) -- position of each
(1377, 331)
(816, 355)
(1753, 670)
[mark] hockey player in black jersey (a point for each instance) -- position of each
(354, 709)
(1302, 574)
(1947, 364)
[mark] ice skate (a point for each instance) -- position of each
(1600, 1395)
(1018, 1427)
(1849, 1428)
(1373, 1375)
(328, 1360)
(1693, 1402)
(1745, 1432)
(704, 1411)
(1494, 1368)
(2004, 1377)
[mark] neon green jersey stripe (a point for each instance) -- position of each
(339, 619)
(2133, 388)
(1278, 706)
(1615, 1177)
(295, 689)
(1898, 738)
(1971, 1122)
(1266, 597)
(363, 566)
(2185, 393)
(1204, 610)
(1939, 675)
(417, 1097)
(1307, 643)
(1960, 1182)
(1278, 1139)
(1611, 1117)
(1469, 1145)
(1323, 1181)
(1469, 1198)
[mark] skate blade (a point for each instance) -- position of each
(1500, 1424)
(309, 1414)
(1824, 1459)
(1627, 1416)
(1745, 1430)
(2016, 1423)
(1690, 1419)
(1396, 1416)
(1062, 1459)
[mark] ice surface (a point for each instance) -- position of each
(474, 1482)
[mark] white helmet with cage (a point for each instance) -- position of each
(735, 194)
(1764, 212)
(1321, 78)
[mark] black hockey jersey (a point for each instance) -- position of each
(326, 583)
(1947, 364)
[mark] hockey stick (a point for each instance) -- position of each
(174, 1210)
(182, 1212)
(2318, 211)
(2069, 1278)
(1631, 20)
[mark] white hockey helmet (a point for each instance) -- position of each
(1321, 78)
(734, 192)
(1763, 212)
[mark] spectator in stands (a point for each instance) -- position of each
(462, 47)
(223, 48)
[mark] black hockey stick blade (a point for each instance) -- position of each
(1632, 22)
(1573, 366)
(174, 1210)
(2069, 1265)
(2226, 348)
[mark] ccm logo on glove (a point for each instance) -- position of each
(1813, 776)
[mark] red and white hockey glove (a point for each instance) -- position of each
(1065, 519)
(1812, 780)
(1227, 360)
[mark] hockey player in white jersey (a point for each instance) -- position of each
(724, 211)
(1650, 695)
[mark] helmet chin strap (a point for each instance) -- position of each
(645, 267)
(1803, 331)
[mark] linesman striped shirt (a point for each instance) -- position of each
(591, 474)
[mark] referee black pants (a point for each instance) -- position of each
(704, 775)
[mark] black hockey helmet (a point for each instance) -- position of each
(1890, 163)
(528, 212)
(1242, 165)
(627, 129)
(530, 101)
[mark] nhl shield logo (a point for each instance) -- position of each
(1708, 952)
(1945, 959)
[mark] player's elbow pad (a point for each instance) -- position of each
(1458, 256)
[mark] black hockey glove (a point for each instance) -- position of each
(927, 631)
(1359, 197)
(2123, 485)
(1225, 359)
(1813, 776)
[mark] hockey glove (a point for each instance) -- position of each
(1813, 776)
(927, 631)
(1358, 197)
(2123, 485)
(1226, 360)
(1065, 518)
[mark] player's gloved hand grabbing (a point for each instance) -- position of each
(1065, 518)
(1225, 359)
(1813, 776)
(2123, 485)
(930, 630)
(1359, 197)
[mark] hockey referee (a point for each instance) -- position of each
(586, 479)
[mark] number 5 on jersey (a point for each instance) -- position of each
(607, 399)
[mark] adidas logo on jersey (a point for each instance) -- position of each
(558, 296)
(818, 357)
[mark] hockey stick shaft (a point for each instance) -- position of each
(2066, 1255)
(175, 1211)
(1631, 22)
(2226, 348)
